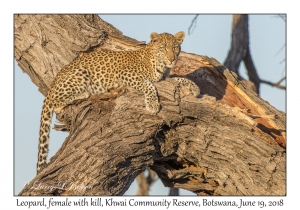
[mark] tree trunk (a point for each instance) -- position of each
(226, 142)
(240, 50)
(144, 183)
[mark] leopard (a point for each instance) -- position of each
(103, 70)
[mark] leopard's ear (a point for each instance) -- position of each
(154, 36)
(179, 37)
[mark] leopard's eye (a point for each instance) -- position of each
(162, 48)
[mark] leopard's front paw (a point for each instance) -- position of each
(190, 85)
(152, 106)
(194, 89)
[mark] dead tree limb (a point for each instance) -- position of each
(277, 84)
(240, 51)
(208, 145)
(193, 25)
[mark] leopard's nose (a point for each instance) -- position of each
(171, 59)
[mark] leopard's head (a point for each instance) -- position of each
(166, 47)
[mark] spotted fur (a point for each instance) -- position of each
(103, 70)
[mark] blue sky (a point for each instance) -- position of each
(210, 37)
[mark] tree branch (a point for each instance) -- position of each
(282, 16)
(239, 42)
(277, 84)
(252, 73)
(193, 24)
(240, 51)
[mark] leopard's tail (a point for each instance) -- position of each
(46, 119)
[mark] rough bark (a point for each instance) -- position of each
(226, 142)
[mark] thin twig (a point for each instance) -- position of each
(275, 84)
(194, 21)
(283, 46)
(282, 16)
(283, 60)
